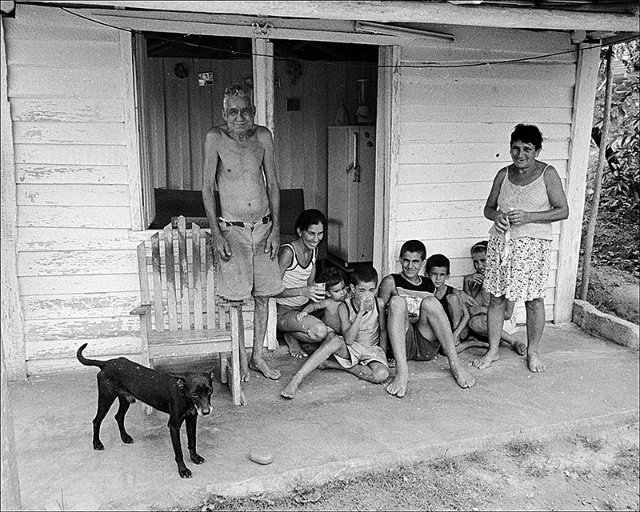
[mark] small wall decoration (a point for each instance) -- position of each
(247, 81)
(181, 70)
(205, 79)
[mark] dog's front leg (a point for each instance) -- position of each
(191, 439)
(174, 430)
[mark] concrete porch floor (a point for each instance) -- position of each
(337, 426)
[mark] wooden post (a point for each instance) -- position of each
(10, 495)
(595, 204)
(12, 330)
(583, 104)
(262, 50)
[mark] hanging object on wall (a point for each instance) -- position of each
(363, 114)
(181, 70)
(294, 70)
(205, 79)
(342, 116)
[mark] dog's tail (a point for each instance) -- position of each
(88, 362)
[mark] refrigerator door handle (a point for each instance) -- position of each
(356, 165)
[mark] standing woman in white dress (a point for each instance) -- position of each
(526, 197)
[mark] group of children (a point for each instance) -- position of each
(354, 313)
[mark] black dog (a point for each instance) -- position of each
(182, 398)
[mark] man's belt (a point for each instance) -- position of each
(265, 220)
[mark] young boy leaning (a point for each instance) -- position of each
(336, 292)
(362, 349)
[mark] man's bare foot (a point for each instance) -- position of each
(290, 390)
(245, 375)
(535, 363)
(398, 386)
(262, 367)
(519, 347)
(463, 378)
(294, 346)
(487, 359)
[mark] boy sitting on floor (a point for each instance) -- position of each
(336, 292)
(361, 350)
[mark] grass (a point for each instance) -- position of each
(521, 448)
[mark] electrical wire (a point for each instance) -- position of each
(424, 65)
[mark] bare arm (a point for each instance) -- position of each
(349, 330)
(220, 246)
(387, 289)
(465, 313)
(559, 207)
(273, 191)
(491, 211)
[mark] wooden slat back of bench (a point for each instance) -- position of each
(178, 279)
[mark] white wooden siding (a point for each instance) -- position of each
(455, 125)
(77, 267)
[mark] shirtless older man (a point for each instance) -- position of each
(238, 159)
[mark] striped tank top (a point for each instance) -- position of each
(530, 198)
(296, 276)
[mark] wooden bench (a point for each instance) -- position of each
(180, 315)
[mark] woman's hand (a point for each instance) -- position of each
(501, 222)
(301, 315)
(518, 217)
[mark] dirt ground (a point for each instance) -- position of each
(615, 291)
(585, 469)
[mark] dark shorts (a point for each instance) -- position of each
(418, 347)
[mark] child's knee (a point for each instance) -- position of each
(397, 304)
(380, 374)
(318, 332)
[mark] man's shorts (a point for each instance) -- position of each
(418, 347)
(249, 270)
(361, 354)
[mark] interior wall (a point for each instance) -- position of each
(180, 112)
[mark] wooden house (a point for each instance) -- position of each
(105, 103)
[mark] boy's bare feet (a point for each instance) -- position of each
(290, 390)
(398, 386)
(535, 363)
(262, 367)
(519, 347)
(294, 346)
(463, 378)
(486, 360)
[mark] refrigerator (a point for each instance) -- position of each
(350, 193)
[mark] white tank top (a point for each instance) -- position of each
(530, 198)
(296, 276)
(369, 332)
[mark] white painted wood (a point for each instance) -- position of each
(85, 83)
(79, 239)
(411, 112)
(76, 263)
(79, 328)
(473, 131)
(39, 174)
(73, 217)
(459, 173)
(70, 154)
(71, 110)
(409, 11)
(72, 195)
(68, 133)
(79, 306)
(75, 284)
(12, 334)
(583, 105)
(103, 348)
(263, 77)
(46, 54)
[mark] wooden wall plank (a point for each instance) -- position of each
(72, 195)
(79, 239)
(47, 331)
(82, 305)
(69, 263)
(76, 284)
(412, 112)
(457, 152)
(74, 217)
(52, 154)
(79, 54)
(68, 133)
(71, 174)
(70, 110)
(463, 208)
(48, 351)
(475, 131)
(65, 82)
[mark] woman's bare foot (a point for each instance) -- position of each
(486, 360)
(519, 347)
(535, 363)
(463, 378)
(290, 390)
(398, 386)
(262, 367)
(294, 346)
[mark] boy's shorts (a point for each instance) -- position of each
(249, 270)
(418, 347)
(361, 354)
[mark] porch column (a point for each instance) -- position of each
(262, 50)
(583, 105)
(12, 330)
